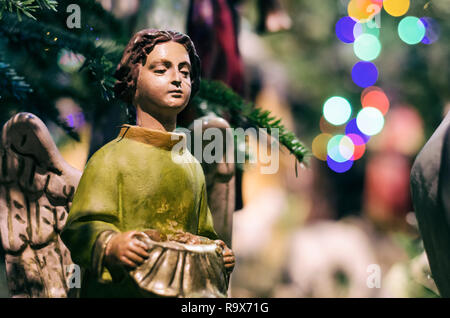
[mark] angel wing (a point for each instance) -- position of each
(36, 191)
(220, 180)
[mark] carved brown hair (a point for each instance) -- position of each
(140, 45)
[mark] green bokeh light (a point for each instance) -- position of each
(411, 30)
(367, 47)
(369, 27)
(340, 148)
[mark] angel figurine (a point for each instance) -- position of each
(139, 223)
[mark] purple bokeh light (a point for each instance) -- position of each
(339, 167)
(432, 30)
(364, 74)
(352, 128)
(344, 29)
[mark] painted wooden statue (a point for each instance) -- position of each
(139, 223)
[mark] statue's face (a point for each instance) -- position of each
(164, 82)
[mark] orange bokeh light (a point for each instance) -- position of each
(359, 145)
(375, 97)
(362, 10)
(359, 151)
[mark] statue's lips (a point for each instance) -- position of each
(176, 93)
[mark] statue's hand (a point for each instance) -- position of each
(126, 250)
(228, 256)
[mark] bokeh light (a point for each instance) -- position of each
(359, 146)
(411, 30)
(375, 97)
(364, 74)
(367, 47)
(362, 10)
(319, 146)
(337, 110)
(69, 61)
(370, 121)
(344, 29)
(432, 32)
(346, 147)
(340, 148)
(378, 3)
(369, 89)
(352, 128)
(366, 28)
(339, 167)
(327, 128)
(396, 8)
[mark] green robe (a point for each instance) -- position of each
(132, 183)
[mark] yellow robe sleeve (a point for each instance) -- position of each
(95, 210)
(205, 221)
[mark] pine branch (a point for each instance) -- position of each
(222, 100)
(12, 84)
(102, 59)
(101, 56)
(26, 7)
(48, 4)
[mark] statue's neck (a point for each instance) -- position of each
(155, 122)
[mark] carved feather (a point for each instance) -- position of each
(36, 188)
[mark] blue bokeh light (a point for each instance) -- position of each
(339, 167)
(352, 128)
(364, 74)
(344, 29)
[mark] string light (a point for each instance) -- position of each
(319, 146)
(339, 167)
(370, 121)
(411, 30)
(367, 47)
(396, 8)
(364, 74)
(432, 32)
(337, 110)
(358, 28)
(344, 29)
(375, 97)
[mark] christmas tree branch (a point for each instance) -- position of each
(106, 20)
(101, 56)
(26, 7)
(222, 100)
(11, 84)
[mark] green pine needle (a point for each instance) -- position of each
(101, 56)
(223, 100)
(11, 84)
(26, 7)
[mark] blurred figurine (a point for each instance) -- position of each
(430, 187)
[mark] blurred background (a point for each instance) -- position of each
(344, 227)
